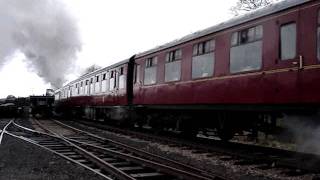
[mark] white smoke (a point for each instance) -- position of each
(306, 132)
(42, 30)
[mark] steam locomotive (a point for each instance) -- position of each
(239, 76)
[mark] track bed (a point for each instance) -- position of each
(210, 158)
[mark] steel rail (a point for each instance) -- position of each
(139, 152)
(4, 130)
(149, 163)
(57, 153)
(102, 164)
(52, 137)
(278, 157)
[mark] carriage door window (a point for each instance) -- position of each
(137, 73)
(122, 78)
(104, 82)
(77, 89)
(97, 84)
(173, 65)
(246, 50)
(87, 87)
(318, 37)
(81, 88)
(150, 71)
(203, 59)
(112, 80)
(288, 39)
(91, 85)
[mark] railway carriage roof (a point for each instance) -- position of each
(271, 9)
(89, 75)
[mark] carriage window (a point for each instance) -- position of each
(153, 61)
(137, 73)
(288, 38)
(97, 78)
(173, 55)
(97, 84)
(247, 36)
(112, 81)
(203, 47)
(104, 83)
(246, 50)
(122, 80)
(173, 66)
(234, 39)
(150, 71)
(78, 88)
(121, 70)
(258, 32)
(203, 59)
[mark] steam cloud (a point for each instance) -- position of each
(306, 132)
(44, 32)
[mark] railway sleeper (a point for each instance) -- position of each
(152, 175)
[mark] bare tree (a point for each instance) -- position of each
(243, 6)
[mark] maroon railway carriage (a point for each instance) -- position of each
(99, 93)
(239, 75)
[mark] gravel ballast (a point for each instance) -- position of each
(20, 160)
(226, 166)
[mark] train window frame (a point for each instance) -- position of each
(104, 76)
(151, 64)
(137, 73)
(250, 37)
(281, 50)
(204, 47)
(203, 52)
(78, 88)
(121, 78)
(97, 78)
(172, 58)
(113, 77)
(121, 71)
(174, 55)
(242, 37)
(112, 74)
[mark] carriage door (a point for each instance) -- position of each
(288, 52)
(289, 60)
(309, 18)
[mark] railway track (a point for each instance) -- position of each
(3, 126)
(107, 158)
(295, 163)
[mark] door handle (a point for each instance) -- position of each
(299, 62)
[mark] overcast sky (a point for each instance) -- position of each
(111, 31)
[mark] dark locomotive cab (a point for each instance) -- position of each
(41, 105)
